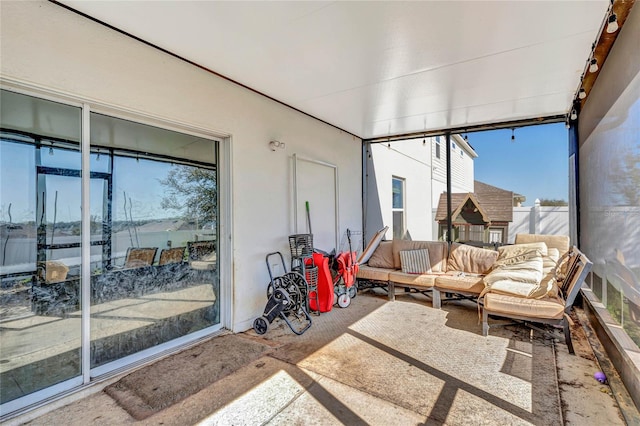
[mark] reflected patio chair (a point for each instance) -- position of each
(202, 257)
(139, 257)
(171, 256)
(55, 271)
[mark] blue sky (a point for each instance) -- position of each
(534, 165)
(139, 179)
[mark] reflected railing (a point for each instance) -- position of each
(132, 308)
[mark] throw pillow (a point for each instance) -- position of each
(517, 272)
(415, 261)
(382, 257)
(469, 259)
(372, 246)
(550, 260)
(437, 253)
(514, 249)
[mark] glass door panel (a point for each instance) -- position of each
(158, 280)
(40, 331)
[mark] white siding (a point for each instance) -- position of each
(462, 171)
(413, 161)
(409, 160)
(47, 46)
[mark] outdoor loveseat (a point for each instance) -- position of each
(536, 279)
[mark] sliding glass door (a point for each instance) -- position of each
(148, 272)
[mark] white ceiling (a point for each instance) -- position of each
(382, 68)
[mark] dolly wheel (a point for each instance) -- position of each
(344, 300)
(353, 291)
(260, 325)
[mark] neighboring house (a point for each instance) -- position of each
(462, 170)
(404, 180)
(479, 216)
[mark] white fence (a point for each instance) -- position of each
(539, 220)
(533, 220)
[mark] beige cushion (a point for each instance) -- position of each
(55, 271)
(208, 262)
(467, 283)
(560, 242)
(550, 260)
(383, 256)
(372, 246)
(550, 284)
(516, 249)
(474, 260)
(437, 253)
(549, 263)
(415, 261)
(413, 280)
(517, 271)
(548, 307)
(366, 272)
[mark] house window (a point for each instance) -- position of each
(453, 146)
(438, 147)
(397, 207)
(496, 235)
(471, 232)
(461, 153)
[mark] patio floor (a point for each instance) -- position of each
(375, 362)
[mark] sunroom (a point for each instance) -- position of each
(165, 148)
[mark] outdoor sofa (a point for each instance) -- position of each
(536, 279)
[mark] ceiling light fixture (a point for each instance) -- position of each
(51, 150)
(593, 67)
(574, 114)
(513, 134)
(612, 25)
(582, 93)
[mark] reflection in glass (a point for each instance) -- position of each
(153, 232)
(40, 245)
(157, 276)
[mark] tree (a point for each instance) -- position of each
(193, 191)
(626, 177)
(553, 202)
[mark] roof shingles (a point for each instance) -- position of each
(496, 202)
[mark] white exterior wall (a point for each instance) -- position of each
(462, 172)
(412, 160)
(47, 46)
(409, 160)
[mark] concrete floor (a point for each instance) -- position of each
(375, 362)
